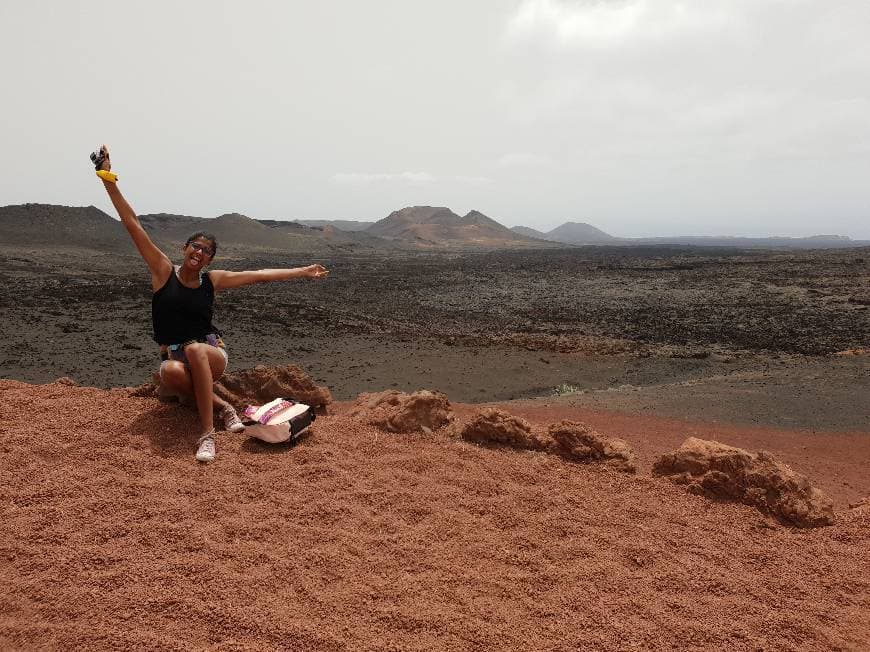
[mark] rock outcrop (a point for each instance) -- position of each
(578, 442)
(494, 426)
(262, 384)
(394, 411)
(719, 471)
(571, 440)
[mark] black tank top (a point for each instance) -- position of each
(180, 313)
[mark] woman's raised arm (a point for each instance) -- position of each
(157, 261)
(223, 280)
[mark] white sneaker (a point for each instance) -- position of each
(231, 420)
(206, 450)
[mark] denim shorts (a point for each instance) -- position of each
(170, 352)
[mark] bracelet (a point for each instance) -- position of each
(105, 175)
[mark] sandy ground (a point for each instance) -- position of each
(357, 539)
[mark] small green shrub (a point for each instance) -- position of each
(565, 388)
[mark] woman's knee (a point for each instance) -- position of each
(196, 352)
(172, 372)
(218, 362)
(210, 356)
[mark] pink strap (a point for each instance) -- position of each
(271, 412)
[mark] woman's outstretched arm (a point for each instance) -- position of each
(157, 261)
(223, 280)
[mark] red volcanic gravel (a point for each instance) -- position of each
(113, 537)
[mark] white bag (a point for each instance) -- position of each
(278, 421)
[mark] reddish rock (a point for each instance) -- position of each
(252, 387)
(719, 471)
(577, 441)
(394, 411)
(262, 384)
(494, 426)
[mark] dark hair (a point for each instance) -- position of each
(204, 236)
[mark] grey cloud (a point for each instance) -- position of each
(639, 116)
(369, 177)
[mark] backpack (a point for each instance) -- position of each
(278, 421)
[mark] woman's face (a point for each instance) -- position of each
(198, 253)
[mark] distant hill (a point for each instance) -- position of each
(67, 226)
(341, 225)
(476, 218)
(438, 226)
(166, 228)
(574, 233)
(529, 232)
(295, 228)
(579, 233)
(403, 223)
(774, 242)
(232, 231)
(339, 238)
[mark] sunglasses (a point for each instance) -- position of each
(208, 251)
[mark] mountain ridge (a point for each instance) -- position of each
(409, 228)
(582, 233)
(438, 226)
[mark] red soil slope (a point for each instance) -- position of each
(113, 537)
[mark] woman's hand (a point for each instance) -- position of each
(103, 158)
(316, 271)
(107, 163)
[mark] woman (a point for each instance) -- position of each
(191, 349)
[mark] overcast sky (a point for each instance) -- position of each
(641, 117)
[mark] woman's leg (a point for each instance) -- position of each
(205, 363)
(177, 379)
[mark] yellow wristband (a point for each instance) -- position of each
(105, 175)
